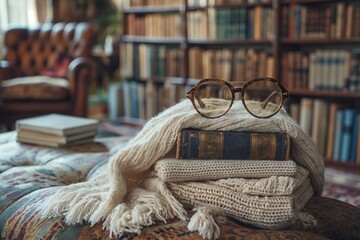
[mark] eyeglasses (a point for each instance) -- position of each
(262, 97)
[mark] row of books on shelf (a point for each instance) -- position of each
(143, 100)
(145, 60)
(154, 25)
(333, 20)
(322, 70)
(231, 23)
(230, 64)
(333, 127)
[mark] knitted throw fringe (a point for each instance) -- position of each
(125, 196)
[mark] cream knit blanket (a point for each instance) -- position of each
(126, 197)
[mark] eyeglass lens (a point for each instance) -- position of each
(263, 98)
(213, 99)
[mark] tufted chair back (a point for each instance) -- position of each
(31, 51)
(46, 70)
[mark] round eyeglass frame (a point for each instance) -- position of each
(191, 93)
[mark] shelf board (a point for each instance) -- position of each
(153, 9)
(160, 80)
(176, 80)
(194, 8)
(325, 94)
(344, 165)
(320, 41)
(181, 81)
(143, 39)
(228, 42)
(307, 1)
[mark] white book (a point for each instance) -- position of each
(333, 69)
(306, 108)
(38, 136)
(319, 124)
(312, 71)
(325, 70)
(295, 111)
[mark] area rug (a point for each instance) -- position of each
(343, 185)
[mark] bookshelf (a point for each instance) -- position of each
(167, 48)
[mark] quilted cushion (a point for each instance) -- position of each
(35, 88)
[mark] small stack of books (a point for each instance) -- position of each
(202, 145)
(56, 130)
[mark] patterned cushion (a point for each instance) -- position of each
(35, 88)
(29, 174)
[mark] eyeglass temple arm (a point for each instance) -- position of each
(201, 103)
(266, 101)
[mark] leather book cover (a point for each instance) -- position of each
(199, 144)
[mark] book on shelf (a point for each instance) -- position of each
(306, 112)
(332, 126)
(230, 64)
(115, 106)
(346, 134)
(145, 61)
(336, 20)
(357, 136)
(319, 124)
(333, 107)
(201, 144)
(324, 69)
(231, 23)
(56, 130)
(154, 25)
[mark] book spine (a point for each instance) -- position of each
(198, 144)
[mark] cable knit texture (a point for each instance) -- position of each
(126, 196)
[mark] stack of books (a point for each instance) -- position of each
(202, 145)
(56, 130)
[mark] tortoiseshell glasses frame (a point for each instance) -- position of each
(283, 93)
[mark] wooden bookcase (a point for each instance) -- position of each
(272, 44)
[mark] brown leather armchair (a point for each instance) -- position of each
(43, 51)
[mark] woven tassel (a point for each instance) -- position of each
(204, 222)
(174, 207)
(144, 208)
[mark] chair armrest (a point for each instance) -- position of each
(6, 71)
(81, 72)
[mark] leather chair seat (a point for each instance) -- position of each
(35, 88)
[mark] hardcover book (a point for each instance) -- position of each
(58, 124)
(200, 144)
(51, 138)
(52, 144)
